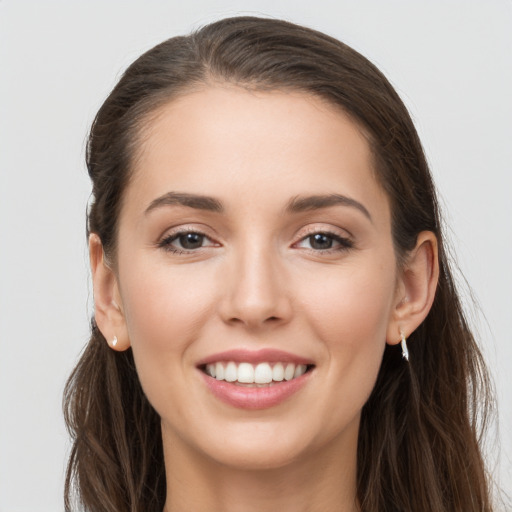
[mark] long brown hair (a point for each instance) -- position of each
(420, 429)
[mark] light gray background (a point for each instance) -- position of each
(450, 61)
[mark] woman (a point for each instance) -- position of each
(276, 325)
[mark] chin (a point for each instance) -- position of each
(245, 445)
(257, 456)
(264, 445)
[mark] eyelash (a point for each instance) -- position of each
(166, 243)
(344, 244)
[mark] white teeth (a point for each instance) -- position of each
(278, 372)
(245, 373)
(289, 371)
(261, 374)
(299, 370)
(219, 371)
(210, 370)
(231, 372)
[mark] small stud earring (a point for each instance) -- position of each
(114, 341)
(405, 350)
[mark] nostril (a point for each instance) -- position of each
(250, 322)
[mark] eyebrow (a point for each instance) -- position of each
(199, 202)
(295, 205)
(317, 202)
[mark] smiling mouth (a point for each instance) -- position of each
(255, 375)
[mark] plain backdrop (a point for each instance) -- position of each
(451, 61)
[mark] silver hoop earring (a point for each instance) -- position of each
(114, 341)
(405, 350)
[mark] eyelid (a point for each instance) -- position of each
(327, 229)
(171, 234)
(178, 229)
(343, 243)
(341, 236)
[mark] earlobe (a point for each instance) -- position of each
(108, 311)
(416, 290)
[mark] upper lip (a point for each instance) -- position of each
(265, 355)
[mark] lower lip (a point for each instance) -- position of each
(255, 398)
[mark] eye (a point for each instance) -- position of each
(185, 241)
(322, 241)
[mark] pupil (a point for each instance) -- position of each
(321, 241)
(191, 241)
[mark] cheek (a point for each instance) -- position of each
(349, 314)
(161, 300)
(351, 306)
(165, 308)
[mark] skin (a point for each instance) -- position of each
(258, 282)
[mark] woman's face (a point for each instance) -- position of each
(255, 242)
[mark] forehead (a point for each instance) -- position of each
(226, 140)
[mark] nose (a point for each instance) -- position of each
(255, 292)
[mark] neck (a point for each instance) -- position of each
(323, 482)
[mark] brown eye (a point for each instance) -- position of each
(320, 241)
(190, 241)
(186, 241)
(324, 242)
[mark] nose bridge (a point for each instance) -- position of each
(256, 292)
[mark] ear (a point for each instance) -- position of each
(416, 288)
(108, 308)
